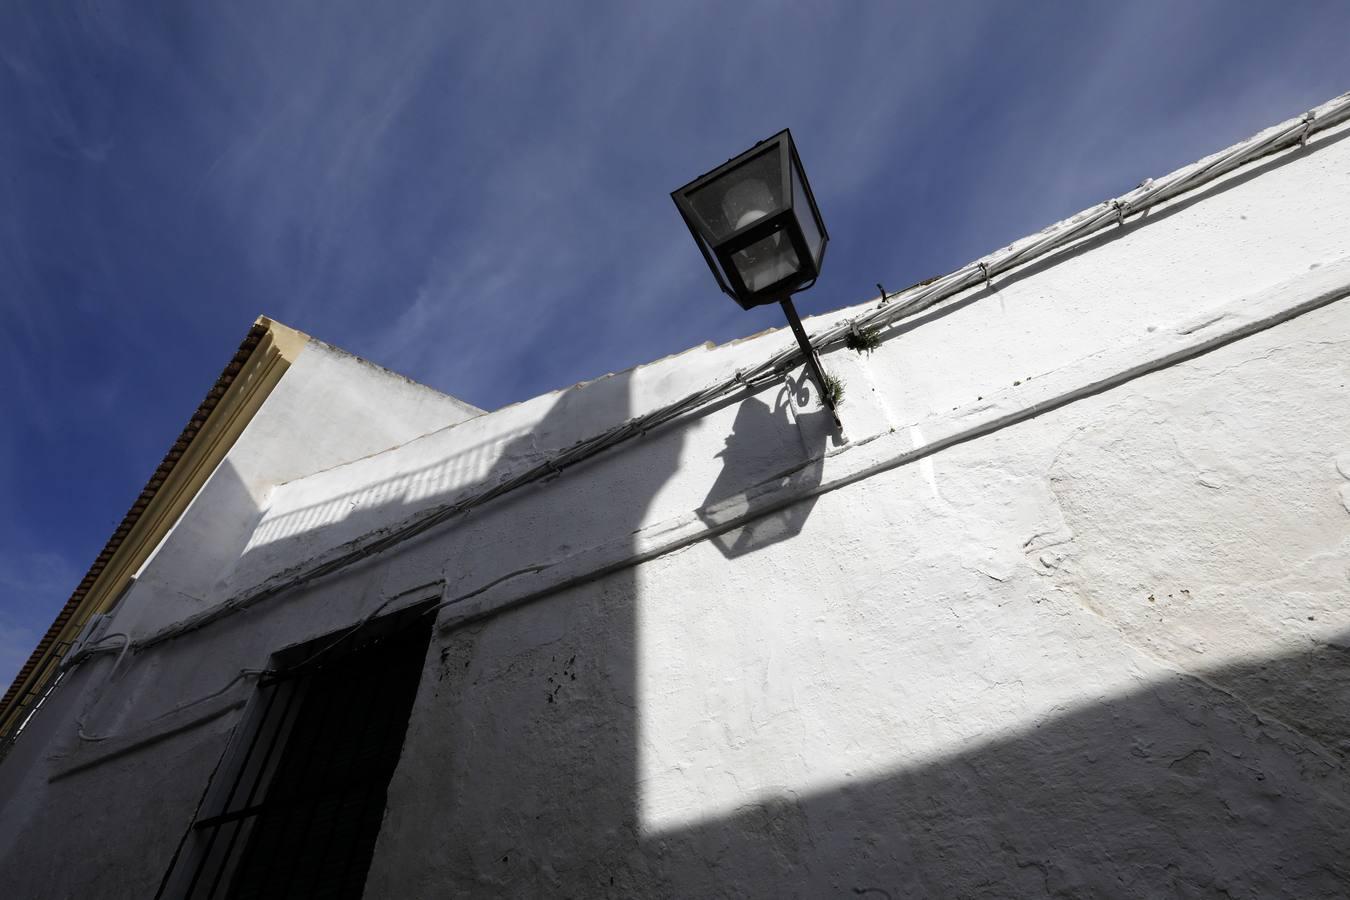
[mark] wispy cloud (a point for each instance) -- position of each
(476, 194)
(462, 188)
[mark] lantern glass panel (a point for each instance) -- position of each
(806, 217)
(740, 197)
(766, 262)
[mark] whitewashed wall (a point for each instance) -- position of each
(1062, 611)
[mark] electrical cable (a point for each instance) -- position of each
(182, 707)
(892, 309)
(95, 648)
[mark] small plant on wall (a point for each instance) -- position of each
(834, 389)
(862, 340)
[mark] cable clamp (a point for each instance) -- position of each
(984, 268)
(1308, 118)
(885, 297)
(1121, 208)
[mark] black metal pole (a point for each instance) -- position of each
(812, 361)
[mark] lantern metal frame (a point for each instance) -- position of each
(788, 220)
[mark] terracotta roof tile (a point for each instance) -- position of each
(138, 507)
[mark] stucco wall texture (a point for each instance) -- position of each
(1062, 612)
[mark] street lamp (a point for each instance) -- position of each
(758, 227)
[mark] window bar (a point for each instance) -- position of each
(229, 797)
(258, 779)
(304, 803)
(390, 745)
(370, 690)
(340, 684)
(375, 725)
(315, 726)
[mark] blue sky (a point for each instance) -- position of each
(477, 195)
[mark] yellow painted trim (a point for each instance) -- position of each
(268, 362)
(252, 385)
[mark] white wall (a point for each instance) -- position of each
(1099, 652)
(1062, 611)
(329, 408)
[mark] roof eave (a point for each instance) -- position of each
(263, 357)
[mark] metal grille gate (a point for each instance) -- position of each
(304, 806)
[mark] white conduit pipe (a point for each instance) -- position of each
(894, 308)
